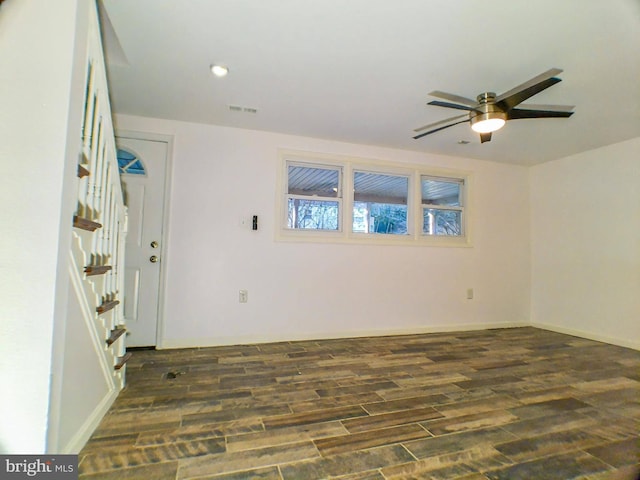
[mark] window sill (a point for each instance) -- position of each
(371, 239)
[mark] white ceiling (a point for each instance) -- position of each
(360, 70)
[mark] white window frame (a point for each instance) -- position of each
(347, 166)
(391, 172)
(430, 206)
(337, 199)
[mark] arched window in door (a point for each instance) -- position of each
(130, 163)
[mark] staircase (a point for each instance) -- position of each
(94, 361)
(100, 221)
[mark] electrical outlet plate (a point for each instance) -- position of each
(243, 296)
(469, 293)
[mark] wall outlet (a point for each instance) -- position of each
(243, 296)
(469, 293)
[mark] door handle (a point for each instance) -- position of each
(154, 259)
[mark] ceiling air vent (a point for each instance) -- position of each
(238, 108)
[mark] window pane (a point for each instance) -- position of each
(442, 222)
(313, 181)
(130, 164)
(379, 218)
(312, 214)
(441, 191)
(380, 203)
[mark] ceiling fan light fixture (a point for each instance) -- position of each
(487, 117)
(488, 125)
(219, 70)
(489, 112)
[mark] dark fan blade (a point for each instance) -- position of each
(438, 129)
(509, 102)
(438, 103)
(529, 83)
(485, 137)
(446, 120)
(453, 98)
(551, 108)
(518, 113)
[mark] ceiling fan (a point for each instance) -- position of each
(489, 112)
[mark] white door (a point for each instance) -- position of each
(143, 171)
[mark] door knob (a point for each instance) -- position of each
(154, 244)
(153, 259)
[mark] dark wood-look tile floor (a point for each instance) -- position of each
(510, 404)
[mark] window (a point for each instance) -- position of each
(442, 209)
(384, 202)
(380, 203)
(313, 197)
(129, 163)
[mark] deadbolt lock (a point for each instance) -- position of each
(154, 244)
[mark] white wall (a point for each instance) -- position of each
(36, 54)
(585, 223)
(87, 387)
(53, 386)
(221, 175)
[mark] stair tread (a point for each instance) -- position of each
(106, 306)
(90, 270)
(82, 171)
(116, 333)
(85, 224)
(122, 360)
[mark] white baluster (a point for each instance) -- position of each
(89, 107)
(87, 130)
(91, 213)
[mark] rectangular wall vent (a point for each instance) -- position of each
(238, 108)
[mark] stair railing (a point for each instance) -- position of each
(100, 220)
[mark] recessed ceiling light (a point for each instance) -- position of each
(219, 70)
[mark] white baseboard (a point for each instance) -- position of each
(292, 337)
(621, 342)
(276, 337)
(83, 434)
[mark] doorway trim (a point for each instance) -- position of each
(162, 288)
